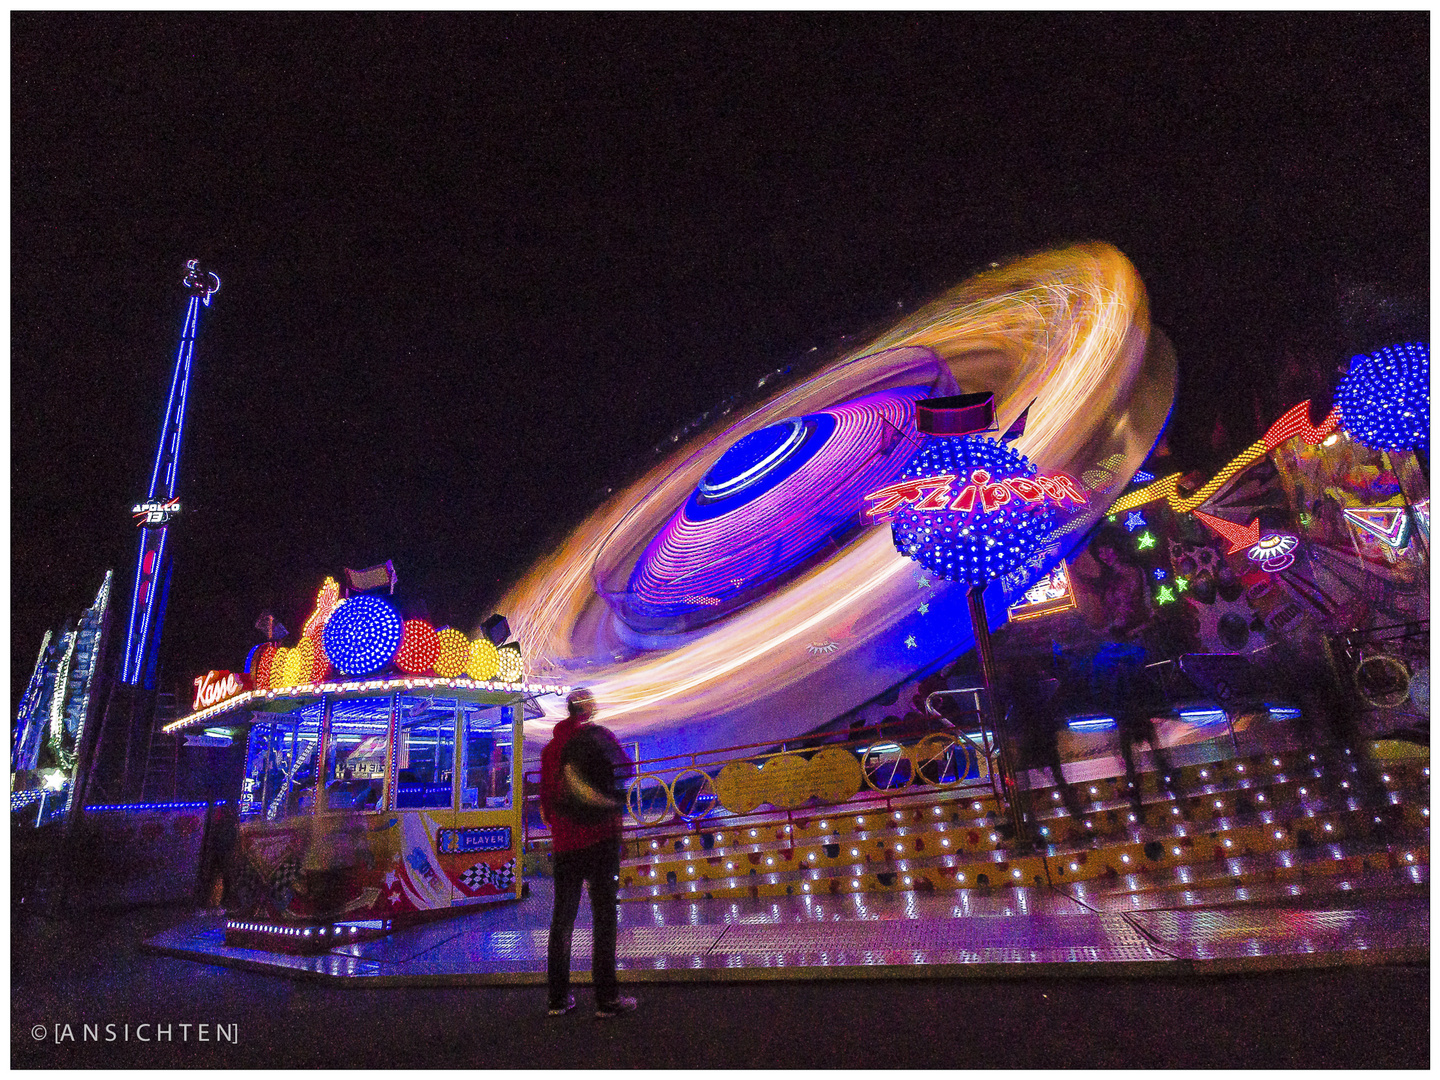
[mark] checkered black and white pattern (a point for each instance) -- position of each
(502, 877)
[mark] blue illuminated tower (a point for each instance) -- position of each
(147, 611)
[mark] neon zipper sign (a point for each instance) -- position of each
(932, 493)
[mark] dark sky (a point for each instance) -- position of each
(477, 266)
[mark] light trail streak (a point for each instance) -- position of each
(1065, 330)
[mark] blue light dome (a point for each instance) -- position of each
(972, 542)
(362, 635)
(758, 463)
(1385, 397)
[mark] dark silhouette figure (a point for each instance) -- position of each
(1038, 707)
(1330, 718)
(1132, 695)
(581, 772)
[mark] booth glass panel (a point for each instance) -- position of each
(425, 759)
(280, 766)
(488, 746)
(359, 745)
(259, 782)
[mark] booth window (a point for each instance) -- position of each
(487, 756)
(359, 745)
(425, 759)
(280, 773)
(258, 761)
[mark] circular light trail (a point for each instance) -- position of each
(1065, 334)
(772, 500)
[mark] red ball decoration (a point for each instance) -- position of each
(419, 648)
(320, 666)
(260, 660)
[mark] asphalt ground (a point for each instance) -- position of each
(90, 970)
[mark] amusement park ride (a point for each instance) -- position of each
(753, 606)
(152, 571)
(56, 755)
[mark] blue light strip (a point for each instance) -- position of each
(132, 676)
(187, 332)
(1091, 723)
(1202, 717)
(151, 807)
(134, 608)
(188, 347)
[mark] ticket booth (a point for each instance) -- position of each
(364, 809)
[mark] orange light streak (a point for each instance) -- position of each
(1063, 332)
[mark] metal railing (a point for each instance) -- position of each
(679, 790)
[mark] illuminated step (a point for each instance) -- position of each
(916, 847)
(1241, 864)
(1375, 884)
(1001, 873)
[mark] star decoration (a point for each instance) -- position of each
(1146, 541)
(910, 642)
(1164, 595)
(1134, 520)
(924, 582)
(924, 609)
(1181, 584)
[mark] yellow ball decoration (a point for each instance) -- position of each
(278, 665)
(299, 663)
(484, 662)
(511, 668)
(454, 653)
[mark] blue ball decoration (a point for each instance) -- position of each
(1385, 397)
(362, 635)
(974, 546)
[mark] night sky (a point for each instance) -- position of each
(477, 267)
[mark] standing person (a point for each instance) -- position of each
(1131, 694)
(580, 799)
(1039, 701)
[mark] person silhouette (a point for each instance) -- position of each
(580, 799)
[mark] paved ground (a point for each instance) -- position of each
(91, 971)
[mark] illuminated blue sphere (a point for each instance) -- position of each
(975, 546)
(362, 635)
(1385, 398)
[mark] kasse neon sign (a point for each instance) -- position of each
(216, 686)
(932, 493)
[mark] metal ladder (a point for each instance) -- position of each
(163, 757)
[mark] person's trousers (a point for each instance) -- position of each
(599, 867)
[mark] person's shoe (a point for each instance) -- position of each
(615, 1008)
(560, 1010)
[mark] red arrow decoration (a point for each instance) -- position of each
(1240, 536)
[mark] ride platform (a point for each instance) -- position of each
(1006, 932)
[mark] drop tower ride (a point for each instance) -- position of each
(152, 568)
